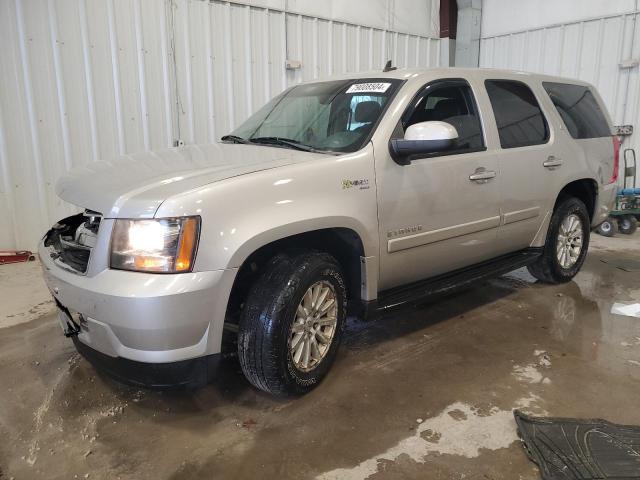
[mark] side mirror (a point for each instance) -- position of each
(422, 138)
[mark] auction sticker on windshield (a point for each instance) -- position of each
(378, 87)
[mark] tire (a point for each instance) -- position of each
(627, 224)
(608, 228)
(548, 267)
(266, 333)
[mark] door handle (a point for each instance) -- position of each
(552, 162)
(482, 176)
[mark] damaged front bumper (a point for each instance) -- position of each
(136, 326)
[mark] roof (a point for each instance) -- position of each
(450, 72)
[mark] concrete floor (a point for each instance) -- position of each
(424, 393)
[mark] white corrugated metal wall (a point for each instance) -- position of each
(591, 49)
(84, 80)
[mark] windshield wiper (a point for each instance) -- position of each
(279, 141)
(235, 139)
(285, 142)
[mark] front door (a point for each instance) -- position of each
(440, 212)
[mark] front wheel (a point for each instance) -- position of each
(292, 322)
(567, 242)
(627, 224)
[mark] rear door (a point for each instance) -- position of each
(586, 130)
(528, 161)
(440, 212)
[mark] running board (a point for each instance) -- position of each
(450, 282)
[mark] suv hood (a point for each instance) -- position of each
(134, 186)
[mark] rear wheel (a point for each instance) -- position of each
(608, 228)
(627, 224)
(566, 245)
(292, 322)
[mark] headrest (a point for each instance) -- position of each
(446, 108)
(367, 112)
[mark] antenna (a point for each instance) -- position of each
(388, 67)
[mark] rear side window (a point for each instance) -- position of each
(579, 110)
(518, 116)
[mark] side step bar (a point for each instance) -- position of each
(449, 282)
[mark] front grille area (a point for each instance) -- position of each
(70, 240)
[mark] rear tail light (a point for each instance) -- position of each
(616, 159)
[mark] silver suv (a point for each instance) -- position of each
(340, 197)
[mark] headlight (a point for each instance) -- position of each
(164, 245)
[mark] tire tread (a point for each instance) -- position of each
(258, 330)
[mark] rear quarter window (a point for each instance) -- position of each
(579, 110)
(519, 119)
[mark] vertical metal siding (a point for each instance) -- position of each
(85, 80)
(231, 56)
(590, 50)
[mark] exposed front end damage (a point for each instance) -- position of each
(71, 240)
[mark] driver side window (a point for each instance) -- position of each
(451, 102)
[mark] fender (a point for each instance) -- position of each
(281, 232)
(241, 214)
(569, 187)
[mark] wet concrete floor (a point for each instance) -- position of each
(423, 393)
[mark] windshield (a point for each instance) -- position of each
(335, 116)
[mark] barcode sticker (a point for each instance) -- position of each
(379, 87)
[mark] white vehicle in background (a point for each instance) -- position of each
(338, 197)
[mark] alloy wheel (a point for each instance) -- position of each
(314, 326)
(569, 245)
